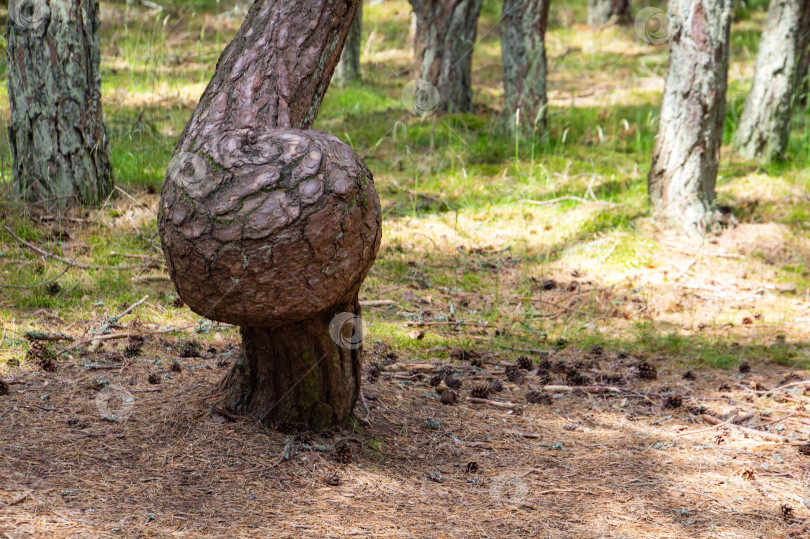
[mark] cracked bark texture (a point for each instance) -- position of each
(444, 41)
(272, 226)
(600, 12)
(764, 127)
(58, 141)
(685, 159)
(348, 69)
(523, 51)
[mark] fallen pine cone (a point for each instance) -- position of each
(343, 452)
(673, 401)
(538, 397)
(449, 397)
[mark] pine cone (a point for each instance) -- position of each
(190, 349)
(449, 397)
(495, 386)
(373, 373)
(689, 375)
(597, 351)
(471, 467)
(154, 379)
(745, 367)
(576, 378)
(673, 401)
(53, 288)
(558, 366)
(178, 302)
(435, 380)
(515, 375)
(134, 346)
(647, 371)
(480, 391)
(724, 388)
(787, 512)
(176, 366)
(3, 388)
(524, 363)
(42, 355)
(343, 452)
(453, 382)
(545, 364)
(538, 397)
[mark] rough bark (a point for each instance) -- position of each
(311, 383)
(58, 141)
(600, 12)
(523, 49)
(764, 127)
(686, 155)
(445, 37)
(348, 69)
(271, 226)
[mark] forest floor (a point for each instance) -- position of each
(493, 249)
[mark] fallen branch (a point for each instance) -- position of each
(34, 335)
(377, 303)
(762, 434)
(71, 263)
(408, 367)
(499, 404)
(732, 419)
(589, 389)
(125, 335)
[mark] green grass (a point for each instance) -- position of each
(451, 187)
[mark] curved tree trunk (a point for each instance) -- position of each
(523, 49)
(687, 149)
(58, 141)
(348, 69)
(445, 37)
(764, 127)
(600, 12)
(274, 75)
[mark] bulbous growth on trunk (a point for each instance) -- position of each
(764, 126)
(444, 42)
(687, 149)
(523, 50)
(58, 142)
(271, 226)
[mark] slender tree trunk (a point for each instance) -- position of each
(600, 12)
(764, 127)
(348, 69)
(445, 37)
(273, 75)
(58, 141)
(686, 156)
(523, 49)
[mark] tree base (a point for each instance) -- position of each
(298, 374)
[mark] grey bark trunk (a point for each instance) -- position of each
(686, 155)
(58, 142)
(600, 12)
(445, 37)
(523, 50)
(764, 127)
(348, 69)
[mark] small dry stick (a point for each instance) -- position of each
(499, 404)
(762, 434)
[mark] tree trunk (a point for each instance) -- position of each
(445, 37)
(600, 12)
(523, 49)
(273, 75)
(58, 142)
(687, 148)
(297, 374)
(764, 127)
(348, 69)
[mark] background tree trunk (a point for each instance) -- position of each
(445, 37)
(601, 11)
(274, 74)
(348, 69)
(687, 149)
(764, 127)
(58, 142)
(523, 50)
